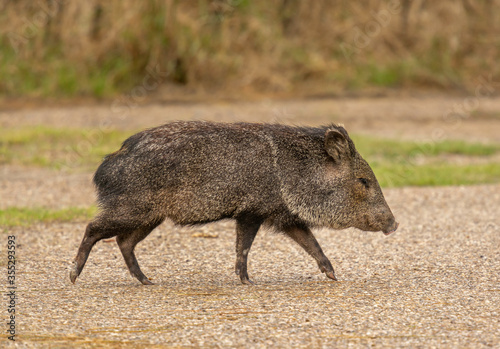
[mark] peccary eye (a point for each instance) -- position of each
(364, 181)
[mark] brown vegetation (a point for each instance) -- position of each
(99, 48)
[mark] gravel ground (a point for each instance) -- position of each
(434, 283)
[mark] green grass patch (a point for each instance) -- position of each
(58, 148)
(407, 163)
(371, 147)
(399, 175)
(22, 216)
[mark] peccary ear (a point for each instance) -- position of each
(336, 145)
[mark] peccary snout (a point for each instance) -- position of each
(379, 218)
(385, 222)
(390, 222)
(287, 178)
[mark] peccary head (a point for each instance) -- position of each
(364, 206)
(342, 191)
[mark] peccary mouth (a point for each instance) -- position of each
(391, 229)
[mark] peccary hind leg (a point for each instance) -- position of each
(305, 238)
(127, 243)
(128, 235)
(246, 230)
(95, 231)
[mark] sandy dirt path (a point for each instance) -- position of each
(434, 283)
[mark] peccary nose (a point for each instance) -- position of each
(391, 228)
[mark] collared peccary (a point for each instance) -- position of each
(287, 178)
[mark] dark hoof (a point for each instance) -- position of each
(73, 274)
(331, 275)
(146, 282)
(247, 281)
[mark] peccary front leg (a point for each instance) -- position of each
(305, 238)
(246, 230)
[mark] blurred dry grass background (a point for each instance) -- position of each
(97, 48)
